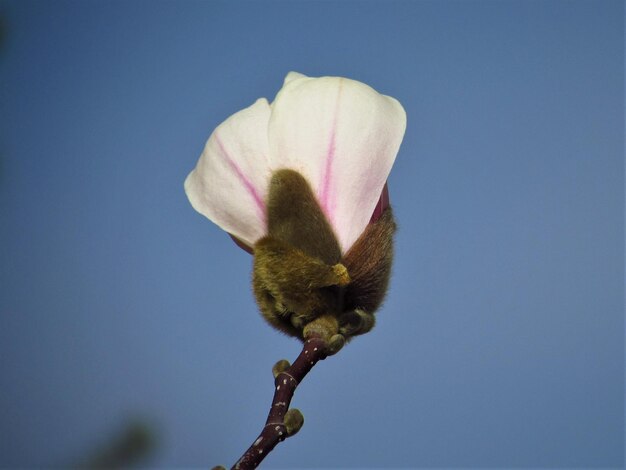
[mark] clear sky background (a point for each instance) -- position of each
(502, 339)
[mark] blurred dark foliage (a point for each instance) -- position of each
(130, 447)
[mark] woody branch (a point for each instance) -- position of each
(283, 422)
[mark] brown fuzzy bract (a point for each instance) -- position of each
(299, 274)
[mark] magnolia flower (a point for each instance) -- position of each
(342, 137)
(340, 134)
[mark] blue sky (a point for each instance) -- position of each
(501, 342)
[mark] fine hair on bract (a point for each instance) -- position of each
(300, 275)
(301, 183)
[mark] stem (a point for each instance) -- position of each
(283, 422)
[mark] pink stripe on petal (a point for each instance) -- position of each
(325, 195)
(260, 205)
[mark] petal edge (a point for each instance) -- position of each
(229, 183)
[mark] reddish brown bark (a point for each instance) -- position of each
(282, 422)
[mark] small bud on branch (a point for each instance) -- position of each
(283, 422)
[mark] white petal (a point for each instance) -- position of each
(229, 184)
(293, 76)
(343, 137)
